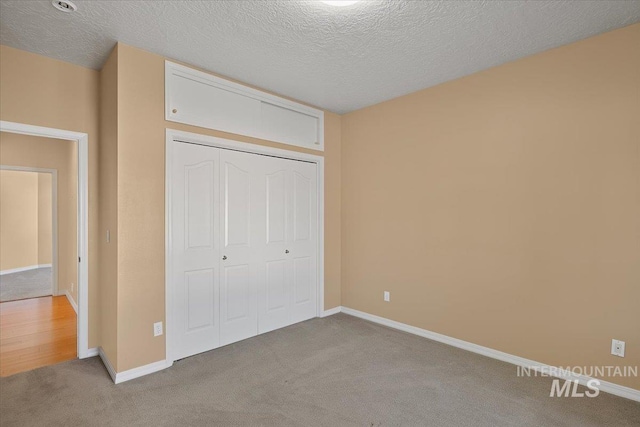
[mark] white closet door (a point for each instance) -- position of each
(244, 238)
(289, 258)
(195, 249)
(303, 241)
(240, 246)
(275, 295)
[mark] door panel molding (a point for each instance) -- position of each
(238, 224)
(194, 291)
(198, 234)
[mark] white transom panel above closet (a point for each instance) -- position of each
(202, 99)
(244, 245)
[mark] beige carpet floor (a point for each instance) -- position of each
(336, 371)
(26, 284)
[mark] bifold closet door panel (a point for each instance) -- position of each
(289, 288)
(303, 242)
(239, 280)
(275, 296)
(244, 238)
(195, 237)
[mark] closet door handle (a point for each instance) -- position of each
(224, 257)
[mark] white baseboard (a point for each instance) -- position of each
(331, 311)
(605, 386)
(120, 377)
(21, 269)
(107, 364)
(72, 301)
(92, 352)
(142, 371)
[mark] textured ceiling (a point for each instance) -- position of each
(340, 59)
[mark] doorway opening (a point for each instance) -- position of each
(28, 232)
(43, 247)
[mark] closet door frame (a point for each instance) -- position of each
(172, 136)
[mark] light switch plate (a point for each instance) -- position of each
(157, 329)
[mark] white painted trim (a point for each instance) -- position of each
(320, 228)
(181, 136)
(83, 245)
(71, 301)
(331, 311)
(44, 132)
(604, 386)
(82, 140)
(107, 364)
(92, 352)
(27, 268)
(237, 88)
(120, 377)
(19, 269)
(168, 254)
(213, 141)
(54, 219)
(142, 371)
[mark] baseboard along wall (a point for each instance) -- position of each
(72, 301)
(21, 269)
(120, 377)
(605, 386)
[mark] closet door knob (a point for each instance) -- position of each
(286, 251)
(224, 257)
(175, 110)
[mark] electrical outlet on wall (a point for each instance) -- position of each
(157, 329)
(387, 296)
(617, 348)
(73, 286)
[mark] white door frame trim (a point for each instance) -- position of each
(54, 217)
(212, 141)
(82, 140)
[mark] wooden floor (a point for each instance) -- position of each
(36, 332)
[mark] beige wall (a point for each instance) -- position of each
(45, 223)
(108, 203)
(332, 207)
(18, 219)
(26, 235)
(46, 153)
(140, 194)
(503, 208)
(41, 91)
